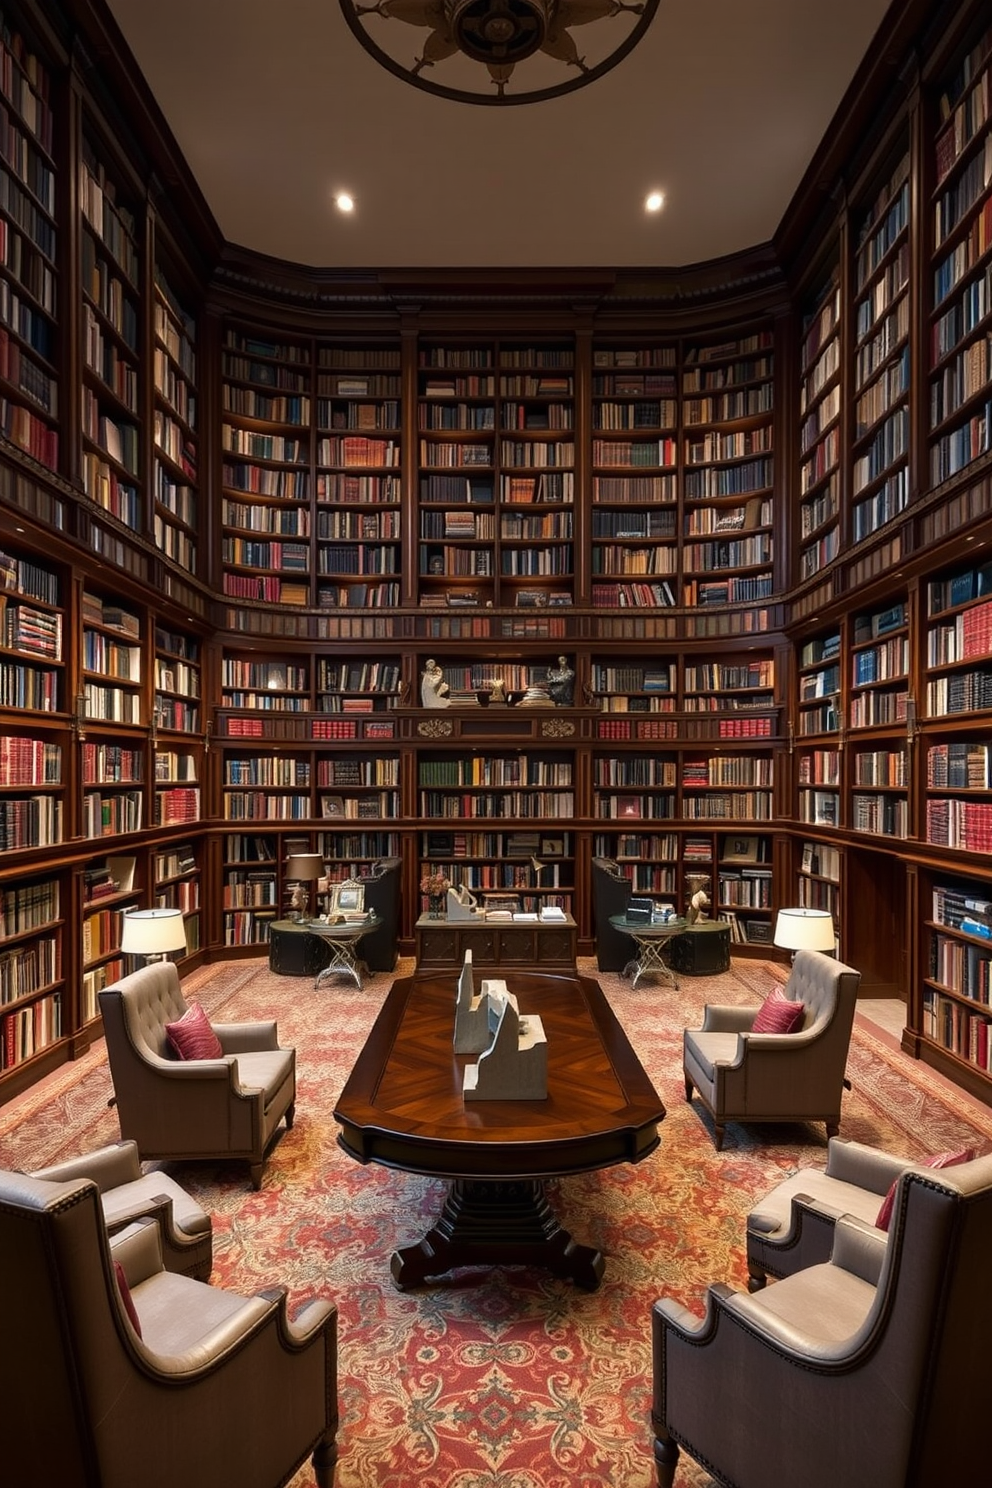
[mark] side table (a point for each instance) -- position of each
(342, 939)
(652, 940)
(293, 950)
(702, 949)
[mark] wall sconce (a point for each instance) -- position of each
(153, 933)
(805, 930)
(303, 869)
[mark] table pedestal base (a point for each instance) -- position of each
(650, 960)
(497, 1222)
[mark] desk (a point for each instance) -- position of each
(531, 945)
(342, 941)
(402, 1107)
(651, 939)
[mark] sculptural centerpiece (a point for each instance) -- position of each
(433, 688)
(561, 683)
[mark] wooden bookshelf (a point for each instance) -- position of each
(960, 429)
(820, 403)
(266, 468)
(113, 350)
(880, 437)
(358, 457)
(176, 497)
(30, 255)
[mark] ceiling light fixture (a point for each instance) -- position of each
(345, 203)
(499, 51)
(654, 202)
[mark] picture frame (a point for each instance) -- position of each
(629, 806)
(347, 898)
(552, 847)
(740, 850)
(332, 806)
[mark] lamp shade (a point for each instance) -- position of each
(153, 932)
(804, 930)
(305, 867)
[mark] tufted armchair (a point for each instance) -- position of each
(792, 1227)
(745, 1076)
(209, 1388)
(127, 1194)
(865, 1371)
(198, 1108)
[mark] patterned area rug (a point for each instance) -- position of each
(506, 1378)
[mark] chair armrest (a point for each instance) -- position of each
(865, 1167)
(222, 1070)
(719, 1018)
(108, 1167)
(297, 1332)
(687, 1323)
(139, 1250)
(246, 1038)
(859, 1248)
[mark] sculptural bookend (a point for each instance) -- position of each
(472, 1034)
(515, 1066)
(462, 905)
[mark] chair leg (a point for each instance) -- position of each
(688, 1088)
(833, 1127)
(324, 1461)
(666, 1455)
(290, 1114)
(756, 1280)
(257, 1169)
(718, 1137)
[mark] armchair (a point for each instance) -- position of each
(745, 1076)
(793, 1226)
(194, 1108)
(215, 1388)
(610, 892)
(127, 1194)
(865, 1370)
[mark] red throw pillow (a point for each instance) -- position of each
(192, 1037)
(126, 1298)
(778, 1015)
(939, 1160)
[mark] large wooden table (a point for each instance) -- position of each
(402, 1106)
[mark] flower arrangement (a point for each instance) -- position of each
(434, 884)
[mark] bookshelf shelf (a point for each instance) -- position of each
(29, 255)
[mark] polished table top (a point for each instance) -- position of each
(649, 929)
(402, 1105)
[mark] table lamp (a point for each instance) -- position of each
(153, 933)
(805, 930)
(303, 869)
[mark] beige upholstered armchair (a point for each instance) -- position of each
(194, 1108)
(865, 1371)
(127, 1194)
(744, 1076)
(793, 1226)
(204, 1387)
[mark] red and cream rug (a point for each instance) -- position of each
(506, 1378)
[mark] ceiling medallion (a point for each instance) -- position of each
(499, 51)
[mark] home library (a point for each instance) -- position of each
(770, 591)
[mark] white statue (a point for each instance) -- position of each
(433, 688)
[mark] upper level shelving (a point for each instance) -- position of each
(29, 255)
(960, 425)
(175, 515)
(820, 396)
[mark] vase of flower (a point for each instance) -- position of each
(435, 887)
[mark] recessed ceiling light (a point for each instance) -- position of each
(654, 202)
(345, 202)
